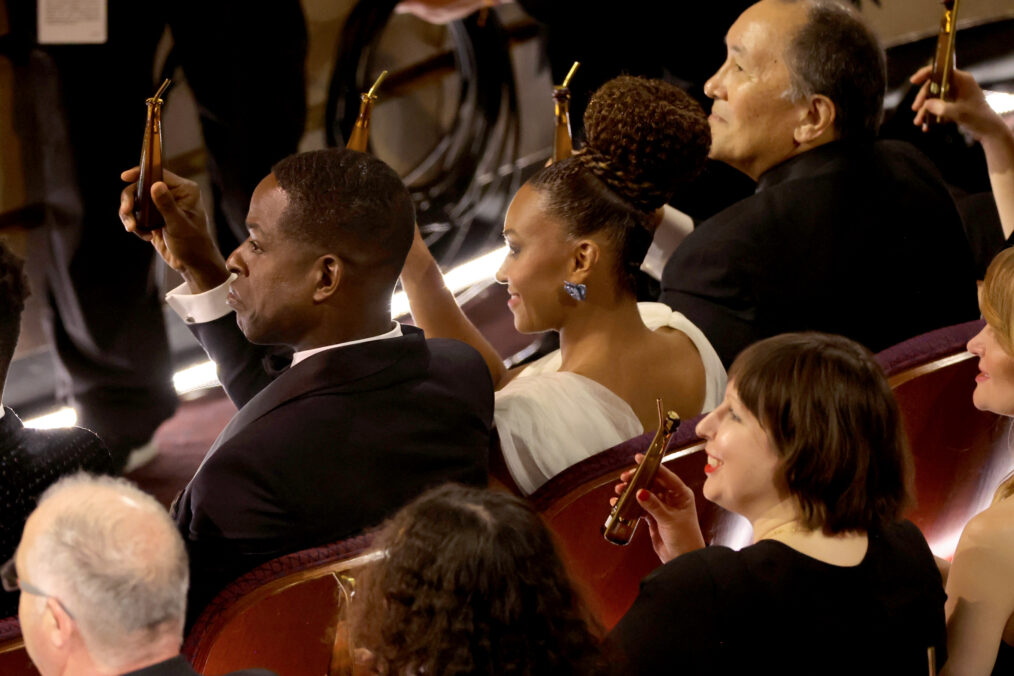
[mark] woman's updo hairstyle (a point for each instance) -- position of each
(996, 299)
(644, 139)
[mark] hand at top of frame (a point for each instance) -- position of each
(969, 107)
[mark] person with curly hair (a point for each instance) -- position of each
(471, 583)
(576, 233)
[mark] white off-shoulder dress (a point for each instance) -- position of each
(548, 419)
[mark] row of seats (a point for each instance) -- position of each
(284, 615)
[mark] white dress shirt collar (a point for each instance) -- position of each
(297, 357)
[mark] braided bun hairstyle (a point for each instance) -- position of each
(644, 138)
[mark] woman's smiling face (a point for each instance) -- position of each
(536, 264)
(744, 470)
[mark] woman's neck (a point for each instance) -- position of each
(596, 332)
(784, 523)
(781, 518)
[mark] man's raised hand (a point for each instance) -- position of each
(184, 243)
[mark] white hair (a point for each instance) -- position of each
(114, 558)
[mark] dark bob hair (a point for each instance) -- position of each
(471, 584)
(833, 420)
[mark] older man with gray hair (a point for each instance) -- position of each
(845, 234)
(103, 576)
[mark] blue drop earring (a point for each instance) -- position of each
(578, 292)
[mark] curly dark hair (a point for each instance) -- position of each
(644, 138)
(13, 292)
(471, 584)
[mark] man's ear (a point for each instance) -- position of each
(328, 276)
(57, 624)
(817, 119)
(586, 255)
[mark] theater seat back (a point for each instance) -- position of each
(14, 660)
(960, 453)
(575, 504)
(281, 616)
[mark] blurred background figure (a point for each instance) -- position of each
(80, 117)
(30, 460)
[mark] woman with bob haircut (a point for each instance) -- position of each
(808, 446)
(980, 583)
(471, 584)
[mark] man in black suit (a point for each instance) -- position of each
(103, 579)
(30, 460)
(844, 234)
(367, 415)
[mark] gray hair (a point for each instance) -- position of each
(116, 561)
(836, 54)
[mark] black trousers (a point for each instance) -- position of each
(81, 116)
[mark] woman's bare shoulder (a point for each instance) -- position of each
(993, 527)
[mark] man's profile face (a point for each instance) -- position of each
(752, 120)
(273, 292)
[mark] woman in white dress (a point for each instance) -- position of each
(577, 232)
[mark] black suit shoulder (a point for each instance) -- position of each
(860, 240)
(178, 666)
(30, 461)
(333, 446)
(716, 610)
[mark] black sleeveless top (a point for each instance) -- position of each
(771, 609)
(1004, 660)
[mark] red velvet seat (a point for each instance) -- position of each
(280, 616)
(960, 453)
(575, 504)
(14, 660)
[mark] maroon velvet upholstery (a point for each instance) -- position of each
(281, 615)
(960, 453)
(575, 504)
(10, 628)
(928, 347)
(14, 660)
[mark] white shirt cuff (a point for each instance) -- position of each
(197, 308)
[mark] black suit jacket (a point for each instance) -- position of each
(862, 240)
(177, 666)
(30, 461)
(329, 447)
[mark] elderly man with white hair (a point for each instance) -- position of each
(103, 576)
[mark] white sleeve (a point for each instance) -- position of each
(548, 422)
(197, 308)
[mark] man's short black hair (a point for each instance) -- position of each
(835, 53)
(13, 292)
(348, 203)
